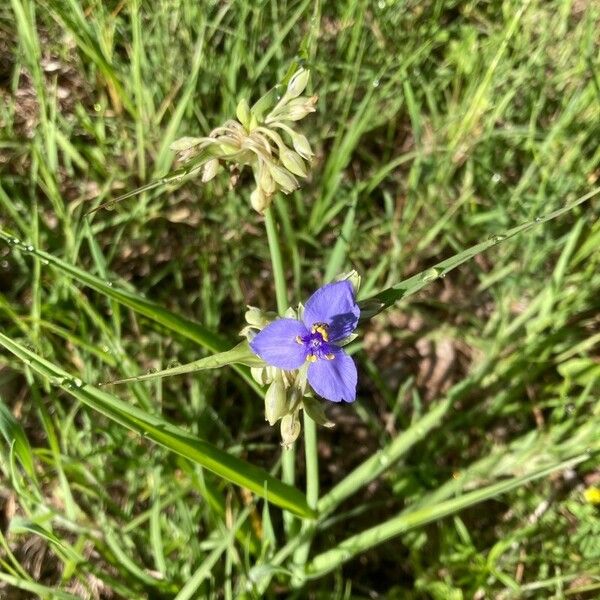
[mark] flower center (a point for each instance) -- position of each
(316, 342)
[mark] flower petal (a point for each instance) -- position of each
(335, 305)
(335, 379)
(276, 344)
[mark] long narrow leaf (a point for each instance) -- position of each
(164, 433)
(386, 298)
(332, 559)
(240, 354)
(183, 326)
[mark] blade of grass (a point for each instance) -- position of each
(389, 296)
(331, 559)
(164, 433)
(241, 354)
(183, 326)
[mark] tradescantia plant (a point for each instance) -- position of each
(305, 347)
(295, 358)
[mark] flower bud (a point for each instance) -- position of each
(265, 181)
(210, 170)
(290, 429)
(292, 162)
(275, 401)
(242, 112)
(260, 375)
(259, 318)
(259, 200)
(298, 108)
(301, 146)
(228, 148)
(185, 143)
(298, 83)
(287, 182)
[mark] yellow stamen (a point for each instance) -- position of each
(299, 340)
(330, 356)
(311, 358)
(322, 329)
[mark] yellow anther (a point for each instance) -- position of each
(330, 356)
(311, 358)
(322, 329)
(299, 340)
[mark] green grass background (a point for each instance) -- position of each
(440, 124)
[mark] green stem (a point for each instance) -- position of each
(288, 460)
(312, 487)
(276, 262)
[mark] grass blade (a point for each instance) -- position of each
(185, 327)
(241, 354)
(15, 437)
(388, 297)
(164, 433)
(332, 559)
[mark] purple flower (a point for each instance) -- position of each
(330, 315)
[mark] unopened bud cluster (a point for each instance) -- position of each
(265, 141)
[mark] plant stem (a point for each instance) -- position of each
(288, 460)
(276, 262)
(312, 486)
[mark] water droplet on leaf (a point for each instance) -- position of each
(431, 274)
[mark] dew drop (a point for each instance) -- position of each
(381, 4)
(15, 241)
(29, 248)
(384, 460)
(45, 261)
(496, 178)
(77, 382)
(538, 219)
(376, 83)
(109, 283)
(496, 237)
(97, 107)
(431, 274)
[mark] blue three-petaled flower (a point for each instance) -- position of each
(330, 315)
